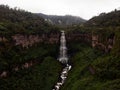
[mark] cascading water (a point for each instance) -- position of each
(63, 49)
(63, 58)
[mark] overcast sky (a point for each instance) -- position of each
(83, 8)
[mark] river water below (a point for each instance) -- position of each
(63, 58)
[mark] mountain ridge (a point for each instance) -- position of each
(62, 20)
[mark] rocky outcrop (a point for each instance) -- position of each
(4, 74)
(93, 39)
(16, 68)
(78, 37)
(25, 40)
(3, 39)
(53, 38)
(106, 47)
(29, 40)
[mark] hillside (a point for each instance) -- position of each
(95, 56)
(20, 21)
(62, 20)
(28, 51)
(29, 48)
(105, 19)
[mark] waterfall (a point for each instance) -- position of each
(63, 49)
(63, 58)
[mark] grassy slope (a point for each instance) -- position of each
(106, 67)
(39, 77)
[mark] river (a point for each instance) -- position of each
(63, 58)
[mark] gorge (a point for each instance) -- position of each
(36, 55)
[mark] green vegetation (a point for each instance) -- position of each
(66, 20)
(105, 68)
(92, 68)
(45, 70)
(17, 21)
(18, 56)
(80, 75)
(105, 19)
(14, 21)
(39, 77)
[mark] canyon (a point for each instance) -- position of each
(26, 41)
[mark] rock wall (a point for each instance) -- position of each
(94, 40)
(110, 41)
(3, 39)
(29, 40)
(16, 68)
(78, 37)
(53, 38)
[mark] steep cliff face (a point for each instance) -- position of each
(26, 41)
(104, 46)
(99, 41)
(53, 38)
(3, 39)
(29, 40)
(78, 37)
(94, 40)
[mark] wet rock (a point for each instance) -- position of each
(3, 74)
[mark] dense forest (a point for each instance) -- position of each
(105, 19)
(27, 51)
(29, 48)
(19, 21)
(96, 66)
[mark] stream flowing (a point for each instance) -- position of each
(63, 58)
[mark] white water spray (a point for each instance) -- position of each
(63, 49)
(63, 58)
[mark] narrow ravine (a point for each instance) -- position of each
(63, 58)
